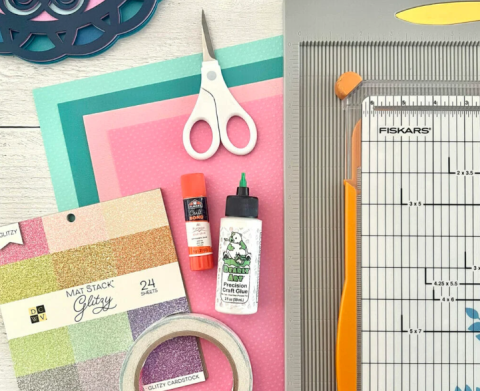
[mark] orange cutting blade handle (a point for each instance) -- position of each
(346, 360)
(347, 321)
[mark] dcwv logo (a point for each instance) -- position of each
(404, 130)
(37, 314)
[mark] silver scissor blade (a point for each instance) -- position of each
(208, 53)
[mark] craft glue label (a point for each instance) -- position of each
(239, 265)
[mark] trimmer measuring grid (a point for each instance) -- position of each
(420, 243)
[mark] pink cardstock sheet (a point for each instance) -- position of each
(141, 148)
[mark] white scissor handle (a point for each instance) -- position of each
(205, 110)
(235, 110)
(216, 105)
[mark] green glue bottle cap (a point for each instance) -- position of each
(242, 189)
(243, 181)
(241, 204)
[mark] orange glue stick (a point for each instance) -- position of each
(194, 192)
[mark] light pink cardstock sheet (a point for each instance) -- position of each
(144, 148)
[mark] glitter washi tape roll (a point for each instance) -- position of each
(185, 325)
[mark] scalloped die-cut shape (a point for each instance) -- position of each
(84, 32)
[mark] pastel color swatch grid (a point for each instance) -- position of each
(105, 241)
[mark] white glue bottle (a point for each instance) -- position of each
(239, 254)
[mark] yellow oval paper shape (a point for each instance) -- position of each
(442, 13)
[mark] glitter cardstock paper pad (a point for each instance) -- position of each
(83, 286)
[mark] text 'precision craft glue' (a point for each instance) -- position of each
(199, 238)
(239, 254)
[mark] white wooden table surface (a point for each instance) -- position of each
(25, 185)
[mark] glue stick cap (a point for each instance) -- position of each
(202, 262)
(193, 185)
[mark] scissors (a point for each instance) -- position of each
(216, 105)
(455, 12)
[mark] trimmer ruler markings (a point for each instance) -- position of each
(420, 230)
(293, 208)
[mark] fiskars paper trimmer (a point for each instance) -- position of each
(324, 39)
(410, 310)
